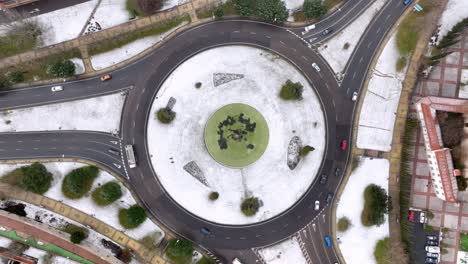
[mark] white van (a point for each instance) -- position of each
(432, 249)
(308, 28)
(57, 88)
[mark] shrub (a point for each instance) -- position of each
(77, 236)
(213, 196)
(343, 224)
(35, 178)
(244, 7)
(273, 11)
(375, 205)
(382, 251)
(218, 13)
(305, 150)
(250, 206)
(165, 115)
(461, 183)
(15, 76)
(430, 215)
(150, 6)
(107, 193)
(79, 181)
(401, 63)
(151, 241)
(61, 68)
(4, 83)
(314, 9)
(291, 91)
(124, 255)
(198, 85)
(132, 217)
(179, 250)
(205, 260)
(428, 228)
(346, 45)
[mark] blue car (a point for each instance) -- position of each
(407, 2)
(328, 241)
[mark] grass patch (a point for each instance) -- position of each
(151, 241)
(401, 63)
(381, 251)
(343, 224)
(299, 16)
(121, 40)
(79, 181)
(331, 3)
(133, 9)
(20, 39)
(464, 241)
(428, 228)
(355, 162)
(13, 177)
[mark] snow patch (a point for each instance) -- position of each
(287, 251)
(358, 242)
(97, 114)
(79, 65)
(455, 11)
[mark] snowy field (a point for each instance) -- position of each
(455, 11)
(269, 178)
(378, 112)
(97, 114)
(358, 242)
(332, 50)
(287, 251)
(107, 59)
(107, 214)
(462, 257)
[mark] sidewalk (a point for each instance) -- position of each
(67, 211)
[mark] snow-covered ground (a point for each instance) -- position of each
(378, 112)
(287, 251)
(4, 242)
(462, 257)
(107, 214)
(79, 65)
(333, 49)
(463, 92)
(358, 242)
(455, 11)
(106, 59)
(97, 114)
(172, 146)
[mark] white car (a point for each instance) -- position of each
(317, 205)
(422, 217)
(316, 67)
(57, 88)
(354, 98)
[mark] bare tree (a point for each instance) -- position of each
(150, 6)
(22, 31)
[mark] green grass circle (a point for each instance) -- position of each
(237, 154)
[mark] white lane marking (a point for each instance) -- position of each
(354, 75)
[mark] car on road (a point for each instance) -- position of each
(328, 241)
(317, 205)
(344, 144)
(422, 217)
(411, 216)
(205, 231)
(354, 97)
(329, 197)
(432, 243)
(58, 88)
(431, 260)
(327, 31)
(338, 172)
(432, 238)
(114, 151)
(106, 77)
(316, 67)
(432, 255)
(308, 28)
(407, 2)
(432, 249)
(323, 179)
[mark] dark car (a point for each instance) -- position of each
(431, 260)
(338, 172)
(327, 31)
(205, 231)
(329, 197)
(432, 243)
(323, 179)
(432, 238)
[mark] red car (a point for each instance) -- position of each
(344, 144)
(411, 216)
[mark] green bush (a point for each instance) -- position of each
(273, 11)
(343, 224)
(198, 85)
(165, 115)
(107, 193)
(430, 215)
(461, 183)
(205, 260)
(428, 228)
(35, 178)
(61, 68)
(133, 9)
(305, 150)
(219, 12)
(375, 205)
(346, 45)
(314, 9)
(132, 217)
(179, 250)
(244, 7)
(79, 181)
(250, 206)
(382, 251)
(291, 91)
(15, 76)
(213, 196)
(77, 237)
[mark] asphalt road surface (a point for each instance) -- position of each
(142, 80)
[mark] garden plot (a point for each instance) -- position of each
(173, 146)
(107, 59)
(334, 51)
(107, 214)
(97, 114)
(379, 108)
(455, 11)
(358, 242)
(287, 251)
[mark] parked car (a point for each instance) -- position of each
(329, 197)
(317, 205)
(407, 2)
(432, 238)
(411, 216)
(58, 88)
(338, 172)
(431, 260)
(327, 31)
(328, 241)
(433, 249)
(205, 231)
(422, 217)
(106, 77)
(354, 97)
(316, 67)
(432, 255)
(432, 243)
(344, 144)
(323, 179)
